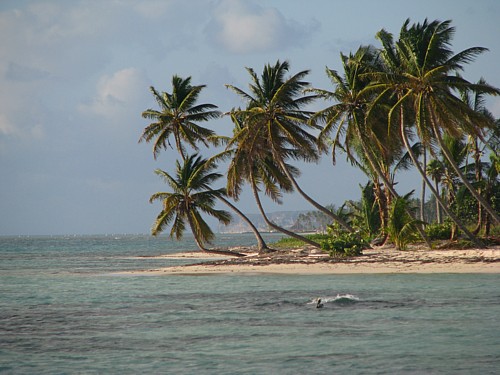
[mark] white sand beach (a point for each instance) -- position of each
(373, 261)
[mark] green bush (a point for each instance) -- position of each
(439, 231)
(344, 244)
(402, 226)
(290, 242)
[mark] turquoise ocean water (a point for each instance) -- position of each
(64, 310)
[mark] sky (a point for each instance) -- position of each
(75, 77)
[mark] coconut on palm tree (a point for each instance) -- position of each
(191, 196)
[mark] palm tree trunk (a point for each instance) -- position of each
(438, 198)
(422, 195)
(457, 170)
(274, 226)
(260, 241)
(211, 251)
(312, 201)
(478, 175)
(439, 220)
(382, 202)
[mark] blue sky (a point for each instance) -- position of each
(74, 78)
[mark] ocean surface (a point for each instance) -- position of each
(64, 309)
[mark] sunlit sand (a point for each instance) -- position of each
(373, 261)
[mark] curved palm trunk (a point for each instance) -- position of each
(478, 174)
(211, 251)
(312, 201)
(438, 207)
(381, 198)
(388, 185)
(422, 196)
(276, 227)
(457, 170)
(438, 198)
(260, 241)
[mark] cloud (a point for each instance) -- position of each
(117, 94)
(24, 73)
(154, 9)
(243, 27)
(6, 127)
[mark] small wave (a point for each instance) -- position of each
(338, 299)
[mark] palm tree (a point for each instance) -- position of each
(274, 113)
(178, 117)
(418, 68)
(252, 162)
(491, 186)
(477, 144)
(191, 197)
(348, 117)
(429, 62)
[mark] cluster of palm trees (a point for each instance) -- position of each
(387, 108)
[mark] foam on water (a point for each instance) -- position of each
(338, 299)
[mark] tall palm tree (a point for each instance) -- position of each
(274, 112)
(178, 116)
(348, 117)
(252, 162)
(428, 66)
(191, 196)
(477, 144)
(418, 68)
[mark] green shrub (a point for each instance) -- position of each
(344, 244)
(439, 231)
(291, 242)
(402, 227)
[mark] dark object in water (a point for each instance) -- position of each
(319, 305)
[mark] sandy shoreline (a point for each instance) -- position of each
(373, 261)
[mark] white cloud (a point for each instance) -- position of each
(6, 127)
(117, 94)
(242, 27)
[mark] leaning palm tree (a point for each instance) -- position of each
(428, 66)
(417, 74)
(191, 196)
(275, 113)
(477, 144)
(178, 117)
(348, 118)
(252, 162)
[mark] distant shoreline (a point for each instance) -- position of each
(385, 260)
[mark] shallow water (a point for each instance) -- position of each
(62, 310)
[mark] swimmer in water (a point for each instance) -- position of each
(319, 305)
